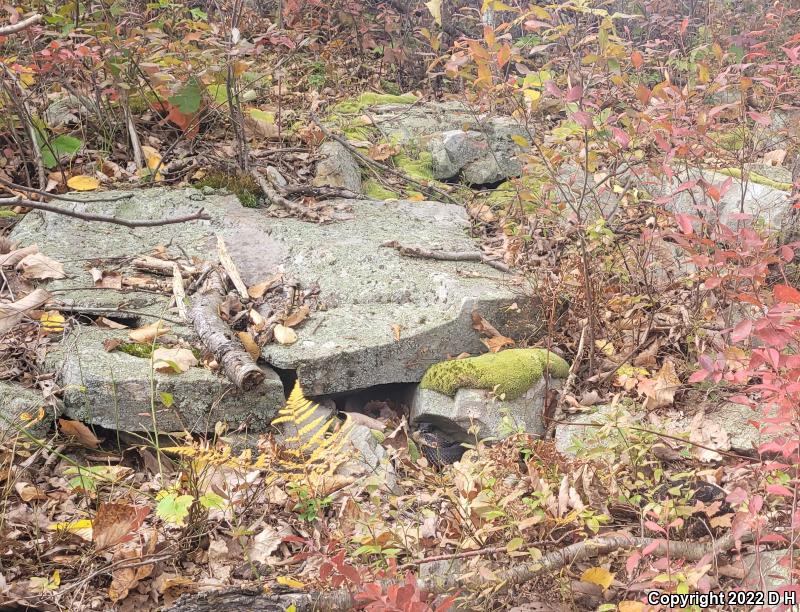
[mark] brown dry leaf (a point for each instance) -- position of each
(116, 523)
(249, 344)
(495, 343)
(285, 335)
(259, 289)
(13, 313)
(382, 151)
(126, 578)
(108, 323)
(173, 360)
(79, 431)
(147, 333)
(267, 542)
(396, 329)
(110, 344)
(775, 158)
(298, 316)
(107, 280)
(38, 266)
(661, 390)
(12, 258)
(28, 492)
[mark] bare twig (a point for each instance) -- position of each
(323, 192)
(20, 25)
(65, 198)
(567, 386)
(19, 201)
(421, 253)
(274, 197)
(371, 162)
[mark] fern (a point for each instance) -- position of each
(313, 449)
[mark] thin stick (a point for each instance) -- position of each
(551, 426)
(230, 267)
(178, 292)
(420, 253)
(65, 198)
(385, 168)
(19, 201)
(277, 199)
(20, 25)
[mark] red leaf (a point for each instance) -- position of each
(785, 293)
(742, 330)
(650, 548)
(637, 60)
(621, 137)
(684, 25)
(574, 94)
(760, 118)
(787, 253)
(685, 223)
(583, 119)
(655, 527)
(776, 489)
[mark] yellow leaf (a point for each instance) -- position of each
(629, 605)
(520, 141)
(52, 322)
(81, 528)
(289, 582)
(435, 8)
(249, 344)
(153, 159)
(81, 182)
(599, 576)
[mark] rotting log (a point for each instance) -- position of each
(235, 361)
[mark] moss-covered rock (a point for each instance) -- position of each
(375, 191)
(510, 373)
(419, 168)
(243, 186)
(369, 98)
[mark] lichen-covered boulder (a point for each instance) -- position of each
(337, 168)
(508, 373)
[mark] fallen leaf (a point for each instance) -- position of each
(28, 492)
(52, 322)
(285, 335)
(79, 431)
(110, 344)
(396, 329)
(153, 160)
(599, 576)
(297, 317)
(290, 582)
(267, 542)
(775, 158)
(13, 313)
(495, 343)
(495, 340)
(108, 323)
(259, 289)
(661, 390)
(106, 280)
(38, 266)
(630, 605)
(249, 344)
(147, 333)
(115, 523)
(173, 360)
(81, 528)
(81, 182)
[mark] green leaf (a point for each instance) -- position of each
(60, 145)
(212, 501)
(174, 508)
(514, 544)
(167, 399)
(189, 97)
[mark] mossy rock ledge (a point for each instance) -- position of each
(493, 394)
(509, 373)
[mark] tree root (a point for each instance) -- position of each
(420, 253)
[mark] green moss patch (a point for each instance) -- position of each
(509, 373)
(375, 191)
(135, 349)
(368, 99)
(419, 168)
(756, 178)
(243, 186)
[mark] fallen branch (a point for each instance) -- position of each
(162, 267)
(236, 362)
(20, 201)
(275, 198)
(20, 25)
(420, 253)
(323, 192)
(54, 196)
(371, 162)
(255, 599)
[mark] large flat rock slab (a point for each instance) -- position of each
(383, 318)
(119, 391)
